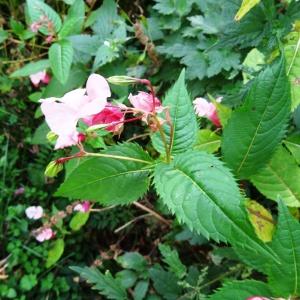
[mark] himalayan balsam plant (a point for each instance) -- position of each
(200, 189)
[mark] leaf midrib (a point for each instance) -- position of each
(259, 125)
(224, 213)
(105, 178)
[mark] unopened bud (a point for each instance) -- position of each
(122, 80)
(81, 137)
(53, 169)
(51, 136)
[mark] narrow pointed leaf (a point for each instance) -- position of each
(246, 6)
(256, 128)
(183, 119)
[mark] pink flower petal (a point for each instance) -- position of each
(34, 212)
(37, 77)
(44, 235)
(144, 102)
(97, 87)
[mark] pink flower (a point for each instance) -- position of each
(35, 26)
(19, 191)
(44, 235)
(62, 114)
(109, 115)
(82, 207)
(143, 102)
(34, 212)
(207, 109)
(49, 39)
(38, 77)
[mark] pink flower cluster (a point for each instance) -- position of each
(82, 207)
(257, 298)
(39, 77)
(90, 105)
(206, 109)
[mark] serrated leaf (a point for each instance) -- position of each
(55, 252)
(207, 141)
(61, 56)
(38, 10)
(171, 258)
(105, 283)
(261, 220)
(293, 145)
(241, 290)
(133, 260)
(292, 55)
(109, 180)
(183, 119)
(284, 277)
(105, 54)
(202, 193)
(79, 220)
(167, 7)
(31, 68)
(280, 178)
(140, 290)
(256, 128)
(77, 10)
(246, 6)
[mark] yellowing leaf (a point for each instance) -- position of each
(261, 220)
(246, 6)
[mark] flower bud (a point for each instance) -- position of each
(51, 136)
(53, 169)
(122, 80)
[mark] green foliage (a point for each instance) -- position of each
(292, 55)
(202, 193)
(79, 220)
(207, 141)
(60, 57)
(31, 68)
(96, 178)
(171, 258)
(257, 127)
(105, 283)
(183, 120)
(280, 179)
(133, 260)
(293, 145)
(55, 252)
(242, 290)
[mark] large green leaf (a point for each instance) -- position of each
(61, 56)
(280, 178)
(105, 283)
(293, 144)
(31, 68)
(241, 290)
(109, 180)
(204, 195)
(292, 55)
(39, 10)
(256, 128)
(183, 119)
(55, 252)
(284, 276)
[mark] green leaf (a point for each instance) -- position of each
(292, 55)
(168, 7)
(165, 283)
(3, 35)
(105, 54)
(61, 56)
(105, 283)
(127, 278)
(183, 120)
(203, 194)
(261, 220)
(79, 220)
(241, 290)
(133, 260)
(280, 178)
(207, 141)
(293, 145)
(140, 290)
(256, 128)
(110, 180)
(77, 10)
(246, 6)
(68, 27)
(31, 68)
(55, 253)
(39, 10)
(284, 276)
(171, 258)
(28, 282)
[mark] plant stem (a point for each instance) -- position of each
(102, 209)
(130, 222)
(152, 212)
(24, 59)
(87, 154)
